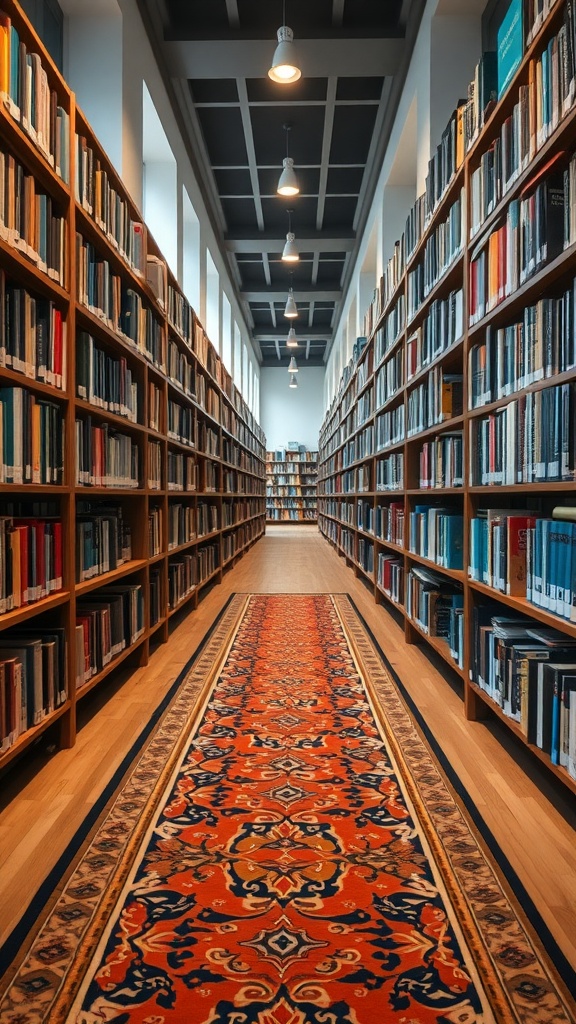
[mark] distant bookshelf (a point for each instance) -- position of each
(291, 475)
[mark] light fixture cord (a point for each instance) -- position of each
(283, 12)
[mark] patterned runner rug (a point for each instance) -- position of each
(284, 850)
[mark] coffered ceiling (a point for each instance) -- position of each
(215, 55)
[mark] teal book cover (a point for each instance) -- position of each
(510, 45)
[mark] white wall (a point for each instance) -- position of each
(291, 414)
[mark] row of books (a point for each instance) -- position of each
(390, 330)
(437, 398)
(181, 524)
(32, 334)
(529, 440)
(390, 428)
(180, 315)
(529, 671)
(440, 329)
(436, 605)
(108, 207)
(534, 232)
(104, 456)
(441, 250)
(389, 378)
(539, 345)
(542, 103)
(437, 533)
(238, 457)
(103, 540)
(181, 425)
(390, 576)
(26, 93)
(107, 382)
(107, 621)
(31, 438)
(182, 473)
(33, 679)
(441, 461)
(31, 221)
(155, 530)
(30, 560)
(121, 308)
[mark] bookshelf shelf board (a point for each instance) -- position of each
(535, 488)
(515, 728)
(112, 665)
(452, 275)
(455, 574)
(86, 491)
(20, 267)
(389, 448)
(398, 548)
(156, 559)
(210, 578)
(104, 415)
(396, 604)
(520, 604)
(22, 380)
(29, 490)
(28, 611)
(26, 738)
(422, 491)
(183, 600)
(439, 645)
(451, 354)
(540, 385)
(126, 569)
(455, 423)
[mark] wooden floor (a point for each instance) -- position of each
(46, 795)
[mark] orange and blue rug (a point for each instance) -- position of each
(284, 849)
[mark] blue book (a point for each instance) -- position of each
(510, 45)
(454, 542)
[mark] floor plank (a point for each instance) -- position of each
(45, 796)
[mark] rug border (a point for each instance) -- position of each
(14, 942)
(561, 963)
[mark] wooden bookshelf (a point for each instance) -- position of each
(421, 438)
(291, 486)
(132, 472)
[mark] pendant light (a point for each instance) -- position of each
(288, 182)
(293, 382)
(291, 340)
(293, 366)
(284, 69)
(290, 253)
(291, 310)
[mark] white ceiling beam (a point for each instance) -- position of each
(250, 58)
(311, 244)
(300, 294)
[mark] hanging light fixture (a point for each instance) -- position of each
(284, 67)
(291, 340)
(293, 382)
(288, 182)
(293, 366)
(291, 310)
(290, 253)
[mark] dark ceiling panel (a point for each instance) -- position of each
(223, 134)
(188, 19)
(303, 216)
(262, 316)
(233, 182)
(344, 180)
(352, 134)
(252, 275)
(302, 15)
(322, 317)
(305, 136)
(359, 88)
(213, 90)
(264, 90)
(372, 16)
(240, 213)
(301, 274)
(339, 212)
(329, 274)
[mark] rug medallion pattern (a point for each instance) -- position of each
(289, 853)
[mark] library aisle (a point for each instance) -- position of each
(46, 795)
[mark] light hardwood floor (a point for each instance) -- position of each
(45, 796)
